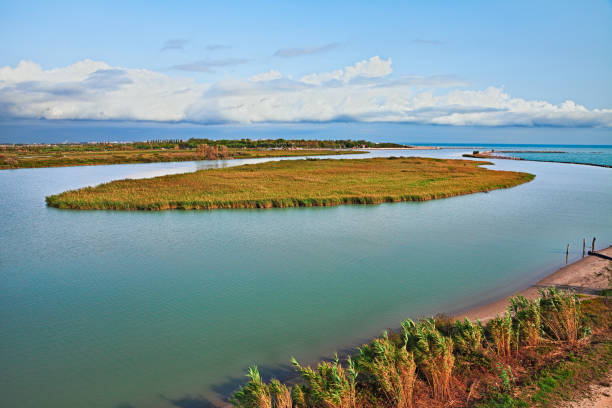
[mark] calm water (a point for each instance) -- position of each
(599, 155)
(131, 309)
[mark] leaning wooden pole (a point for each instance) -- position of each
(583, 246)
(593, 249)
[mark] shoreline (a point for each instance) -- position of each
(583, 276)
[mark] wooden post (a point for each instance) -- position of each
(593, 249)
(583, 246)
(566, 253)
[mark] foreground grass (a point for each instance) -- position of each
(558, 345)
(295, 183)
(565, 373)
(35, 158)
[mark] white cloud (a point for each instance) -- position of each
(266, 76)
(371, 68)
(360, 92)
(94, 90)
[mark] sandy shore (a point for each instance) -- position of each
(600, 396)
(587, 276)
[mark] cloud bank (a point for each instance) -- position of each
(365, 91)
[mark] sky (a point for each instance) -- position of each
(468, 63)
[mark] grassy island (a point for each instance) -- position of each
(295, 183)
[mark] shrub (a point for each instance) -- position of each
(560, 314)
(223, 152)
(391, 369)
(329, 386)
(8, 160)
(433, 353)
(207, 152)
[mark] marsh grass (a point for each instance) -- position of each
(281, 394)
(561, 314)
(527, 316)
(468, 336)
(492, 366)
(500, 332)
(390, 369)
(295, 183)
(79, 157)
(329, 385)
(255, 394)
(433, 353)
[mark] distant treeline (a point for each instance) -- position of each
(193, 143)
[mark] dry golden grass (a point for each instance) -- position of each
(295, 183)
(126, 154)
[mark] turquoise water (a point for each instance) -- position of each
(133, 309)
(597, 155)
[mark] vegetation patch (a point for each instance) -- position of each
(88, 154)
(295, 183)
(527, 358)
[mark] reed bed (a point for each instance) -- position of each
(295, 183)
(420, 367)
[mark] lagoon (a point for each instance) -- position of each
(113, 309)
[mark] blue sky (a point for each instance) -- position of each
(455, 63)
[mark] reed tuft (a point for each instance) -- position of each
(391, 370)
(468, 336)
(255, 394)
(500, 334)
(433, 353)
(329, 385)
(561, 314)
(527, 321)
